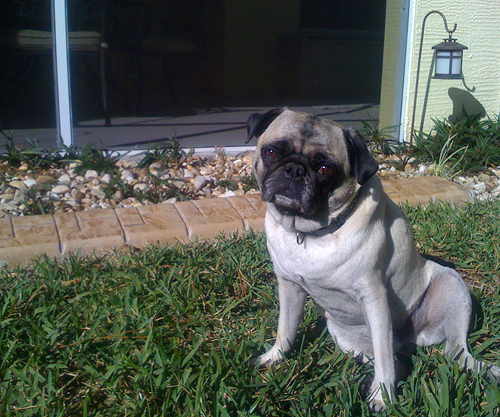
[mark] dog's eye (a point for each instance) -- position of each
(271, 153)
(325, 170)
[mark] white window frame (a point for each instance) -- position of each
(62, 84)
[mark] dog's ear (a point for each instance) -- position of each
(362, 161)
(257, 123)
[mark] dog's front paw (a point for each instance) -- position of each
(376, 398)
(376, 401)
(377, 405)
(271, 357)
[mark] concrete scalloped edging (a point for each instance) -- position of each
(25, 238)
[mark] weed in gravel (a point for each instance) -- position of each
(13, 155)
(89, 158)
(100, 160)
(33, 156)
(170, 154)
(220, 155)
(116, 184)
(249, 182)
(444, 167)
(159, 190)
(37, 200)
(227, 183)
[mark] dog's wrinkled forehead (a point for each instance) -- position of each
(307, 132)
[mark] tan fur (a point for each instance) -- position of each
(376, 292)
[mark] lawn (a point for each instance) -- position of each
(172, 331)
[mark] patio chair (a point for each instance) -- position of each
(29, 34)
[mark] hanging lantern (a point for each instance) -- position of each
(449, 56)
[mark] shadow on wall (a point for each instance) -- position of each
(465, 105)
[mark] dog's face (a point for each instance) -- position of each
(307, 166)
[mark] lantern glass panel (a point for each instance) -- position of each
(443, 62)
(456, 63)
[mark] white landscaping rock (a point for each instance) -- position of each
(228, 194)
(91, 174)
(496, 191)
(64, 179)
(140, 187)
(96, 191)
(200, 182)
(61, 189)
(106, 178)
(126, 173)
(206, 171)
(188, 173)
(29, 183)
(156, 166)
(19, 185)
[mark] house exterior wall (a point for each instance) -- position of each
(477, 28)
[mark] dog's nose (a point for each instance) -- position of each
(295, 172)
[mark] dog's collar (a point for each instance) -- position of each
(335, 224)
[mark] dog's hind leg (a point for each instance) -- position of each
(444, 316)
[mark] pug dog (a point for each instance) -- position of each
(334, 234)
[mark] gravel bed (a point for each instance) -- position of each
(483, 186)
(25, 192)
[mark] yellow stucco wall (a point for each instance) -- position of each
(478, 23)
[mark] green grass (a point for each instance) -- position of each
(172, 331)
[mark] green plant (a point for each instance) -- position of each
(34, 156)
(226, 183)
(160, 190)
(157, 191)
(443, 167)
(475, 145)
(117, 184)
(13, 155)
(100, 160)
(403, 154)
(249, 182)
(169, 154)
(36, 201)
(381, 140)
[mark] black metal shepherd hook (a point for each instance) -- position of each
(450, 32)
